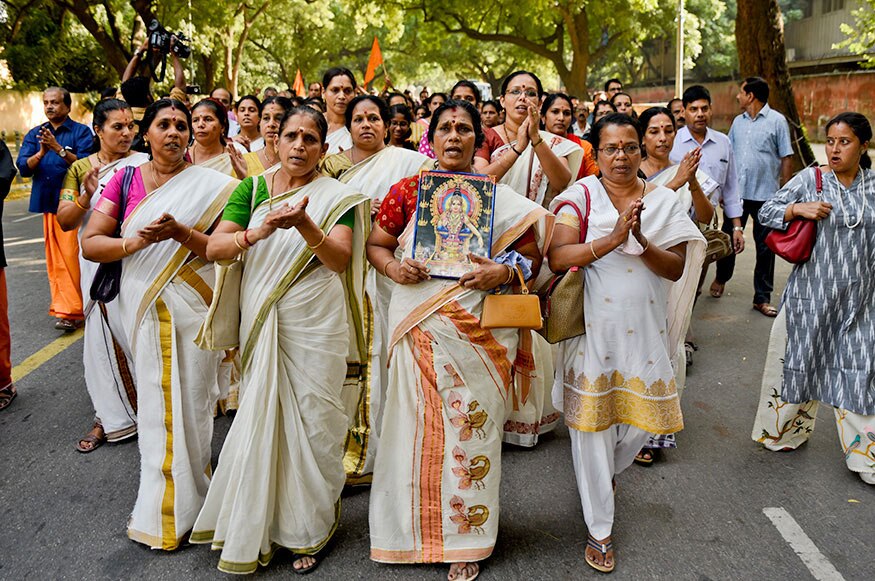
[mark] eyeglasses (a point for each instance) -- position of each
(530, 93)
(611, 150)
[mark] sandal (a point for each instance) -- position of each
(602, 548)
(467, 567)
(305, 570)
(766, 309)
(689, 349)
(645, 457)
(717, 289)
(7, 394)
(93, 440)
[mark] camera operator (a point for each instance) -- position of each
(136, 83)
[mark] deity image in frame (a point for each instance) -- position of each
(453, 219)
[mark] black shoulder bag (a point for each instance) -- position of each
(107, 280)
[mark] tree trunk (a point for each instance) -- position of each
(209, 69)
(115, 54)
(759, 36)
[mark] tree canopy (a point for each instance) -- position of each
(247, 44)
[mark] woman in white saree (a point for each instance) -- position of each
(105, 354)
(339, 83)
(693, 188)
(616, 383)
(536, 164)
(164, 296)
(434, 497)
(372, 167)
(280, 472)
(211, 147)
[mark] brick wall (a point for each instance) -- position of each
(818, 98)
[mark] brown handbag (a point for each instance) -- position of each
(562, 295)
(522, 311)
(718, 243)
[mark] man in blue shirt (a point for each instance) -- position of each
(760, 138)
(46, 153)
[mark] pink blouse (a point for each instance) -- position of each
(109, 202)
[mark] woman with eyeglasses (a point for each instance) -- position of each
(535, 163)
(616, 383)
(538, 165)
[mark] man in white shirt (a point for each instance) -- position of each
(717, 161)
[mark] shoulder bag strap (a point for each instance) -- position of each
(127, 181)
(584, 222)
(818, 179)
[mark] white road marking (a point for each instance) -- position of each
(29, 217)
(23, 242)
(820, 567)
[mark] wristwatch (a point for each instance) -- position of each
(63, 152)
(738, 228)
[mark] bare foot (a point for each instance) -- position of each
(463, 572)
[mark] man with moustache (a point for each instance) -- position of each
(676, 106)
(718, 160)
(46, 153)
(760, 138)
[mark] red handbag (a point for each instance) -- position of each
(796, 242)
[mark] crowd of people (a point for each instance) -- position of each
(267, 271)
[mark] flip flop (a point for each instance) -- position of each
(7, 394)
(91, 438)
(602, 548)
(305, 570)
(717, 289)
(641, 460)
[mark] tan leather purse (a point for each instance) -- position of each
(719, 243)
(562, 295)
(522, 311)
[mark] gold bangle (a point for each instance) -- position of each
(237, 242)
(190, 233)
(592, 249)
(321, 242)
(125, 247)
(510, 274)
(534, 145)
(80, 206)
(386, 267)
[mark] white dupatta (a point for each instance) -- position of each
(526, 176)
(195, 197)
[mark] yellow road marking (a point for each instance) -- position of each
(45, 354)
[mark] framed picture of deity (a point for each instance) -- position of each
(453, 218)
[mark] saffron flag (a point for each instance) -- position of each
(299, 88)
(373, 62)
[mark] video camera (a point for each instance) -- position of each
(164, 42)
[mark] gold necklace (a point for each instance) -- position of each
(169, 176)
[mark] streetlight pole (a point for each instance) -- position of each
(679, 51)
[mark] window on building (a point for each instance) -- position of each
(805, 7)
(833, 5)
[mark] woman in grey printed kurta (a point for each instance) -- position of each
(828, 312)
